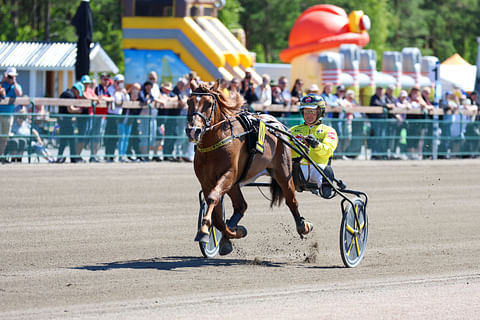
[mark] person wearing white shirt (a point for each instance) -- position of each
(264, 92)
(115, 110)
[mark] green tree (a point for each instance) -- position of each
(47, 20)
(267, 25)
(230, 14)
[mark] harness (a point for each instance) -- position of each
(254, 131)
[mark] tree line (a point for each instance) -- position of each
(438, 27)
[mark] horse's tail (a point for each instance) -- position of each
(276, 192)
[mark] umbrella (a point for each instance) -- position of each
(83, 22)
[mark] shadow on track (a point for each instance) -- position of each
(176, 263)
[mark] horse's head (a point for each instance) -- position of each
(202, 110)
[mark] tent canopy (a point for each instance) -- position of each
(456, 72)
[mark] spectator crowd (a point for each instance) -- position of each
(155, 132)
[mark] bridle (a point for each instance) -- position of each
(209, 126)
(207, 121)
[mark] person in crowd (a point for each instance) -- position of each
(124, 127)
(22, 129)
(347, 127)
(165, 102)
(468, 112)
(114, 112)
(276, 95)
(427, 129)
(400, 140)
(415, 124)
(40, 123)
(377, 123)
(66, 123)
(145, 98)
(393, 124)
(281, 95)
(329, 97)
(234, 94)
(285, 95)
(297, 91)
(338, 116)
(133, 146)
(248, 90)
(105, 93)
(171, 123)
(11, 89)
(449, 104)
(472, 130)
(313, 89)
(277, 99)
(150, 123)
(19, 136)
(186, 147)
(320, 139)
(246, 82)
(264, 93)
(83, 120)
(459, 119)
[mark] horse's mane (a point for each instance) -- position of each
(225, 105)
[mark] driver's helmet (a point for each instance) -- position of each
(313, 101)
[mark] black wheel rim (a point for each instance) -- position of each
(354, 234)
(211, 248)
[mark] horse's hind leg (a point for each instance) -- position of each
(239, 207)
(285, 181)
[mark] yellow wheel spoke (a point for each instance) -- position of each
(214, 237)
(362, 225)
(350, 248)
(358, 248)
(349, 229)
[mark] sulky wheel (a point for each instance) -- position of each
(209, 249)
(353, 233)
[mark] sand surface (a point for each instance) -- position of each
(115, 241)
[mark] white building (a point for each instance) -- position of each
(46, 69)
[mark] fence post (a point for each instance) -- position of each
(92, 120)
(149, 144)
(32, 103)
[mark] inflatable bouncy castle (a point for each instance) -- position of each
(326, 46)
(173, 37)
(315, 41)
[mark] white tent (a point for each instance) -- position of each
(455, 71)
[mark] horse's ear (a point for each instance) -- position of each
(216, 85)
(193, 85)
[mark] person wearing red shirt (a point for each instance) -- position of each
(104, 92)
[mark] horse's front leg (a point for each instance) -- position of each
(224, 184)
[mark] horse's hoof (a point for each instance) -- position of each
(241, 231)
(304, 227)
(202, 237)
(225, 247)
(308, 228)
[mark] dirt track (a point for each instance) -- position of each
(115, 241)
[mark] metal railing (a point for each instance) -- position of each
(47, 137)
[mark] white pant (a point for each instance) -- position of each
(311, 174)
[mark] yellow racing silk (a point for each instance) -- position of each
(327, 136)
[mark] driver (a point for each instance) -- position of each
(320, 139)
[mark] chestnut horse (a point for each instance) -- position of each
(222, 162)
